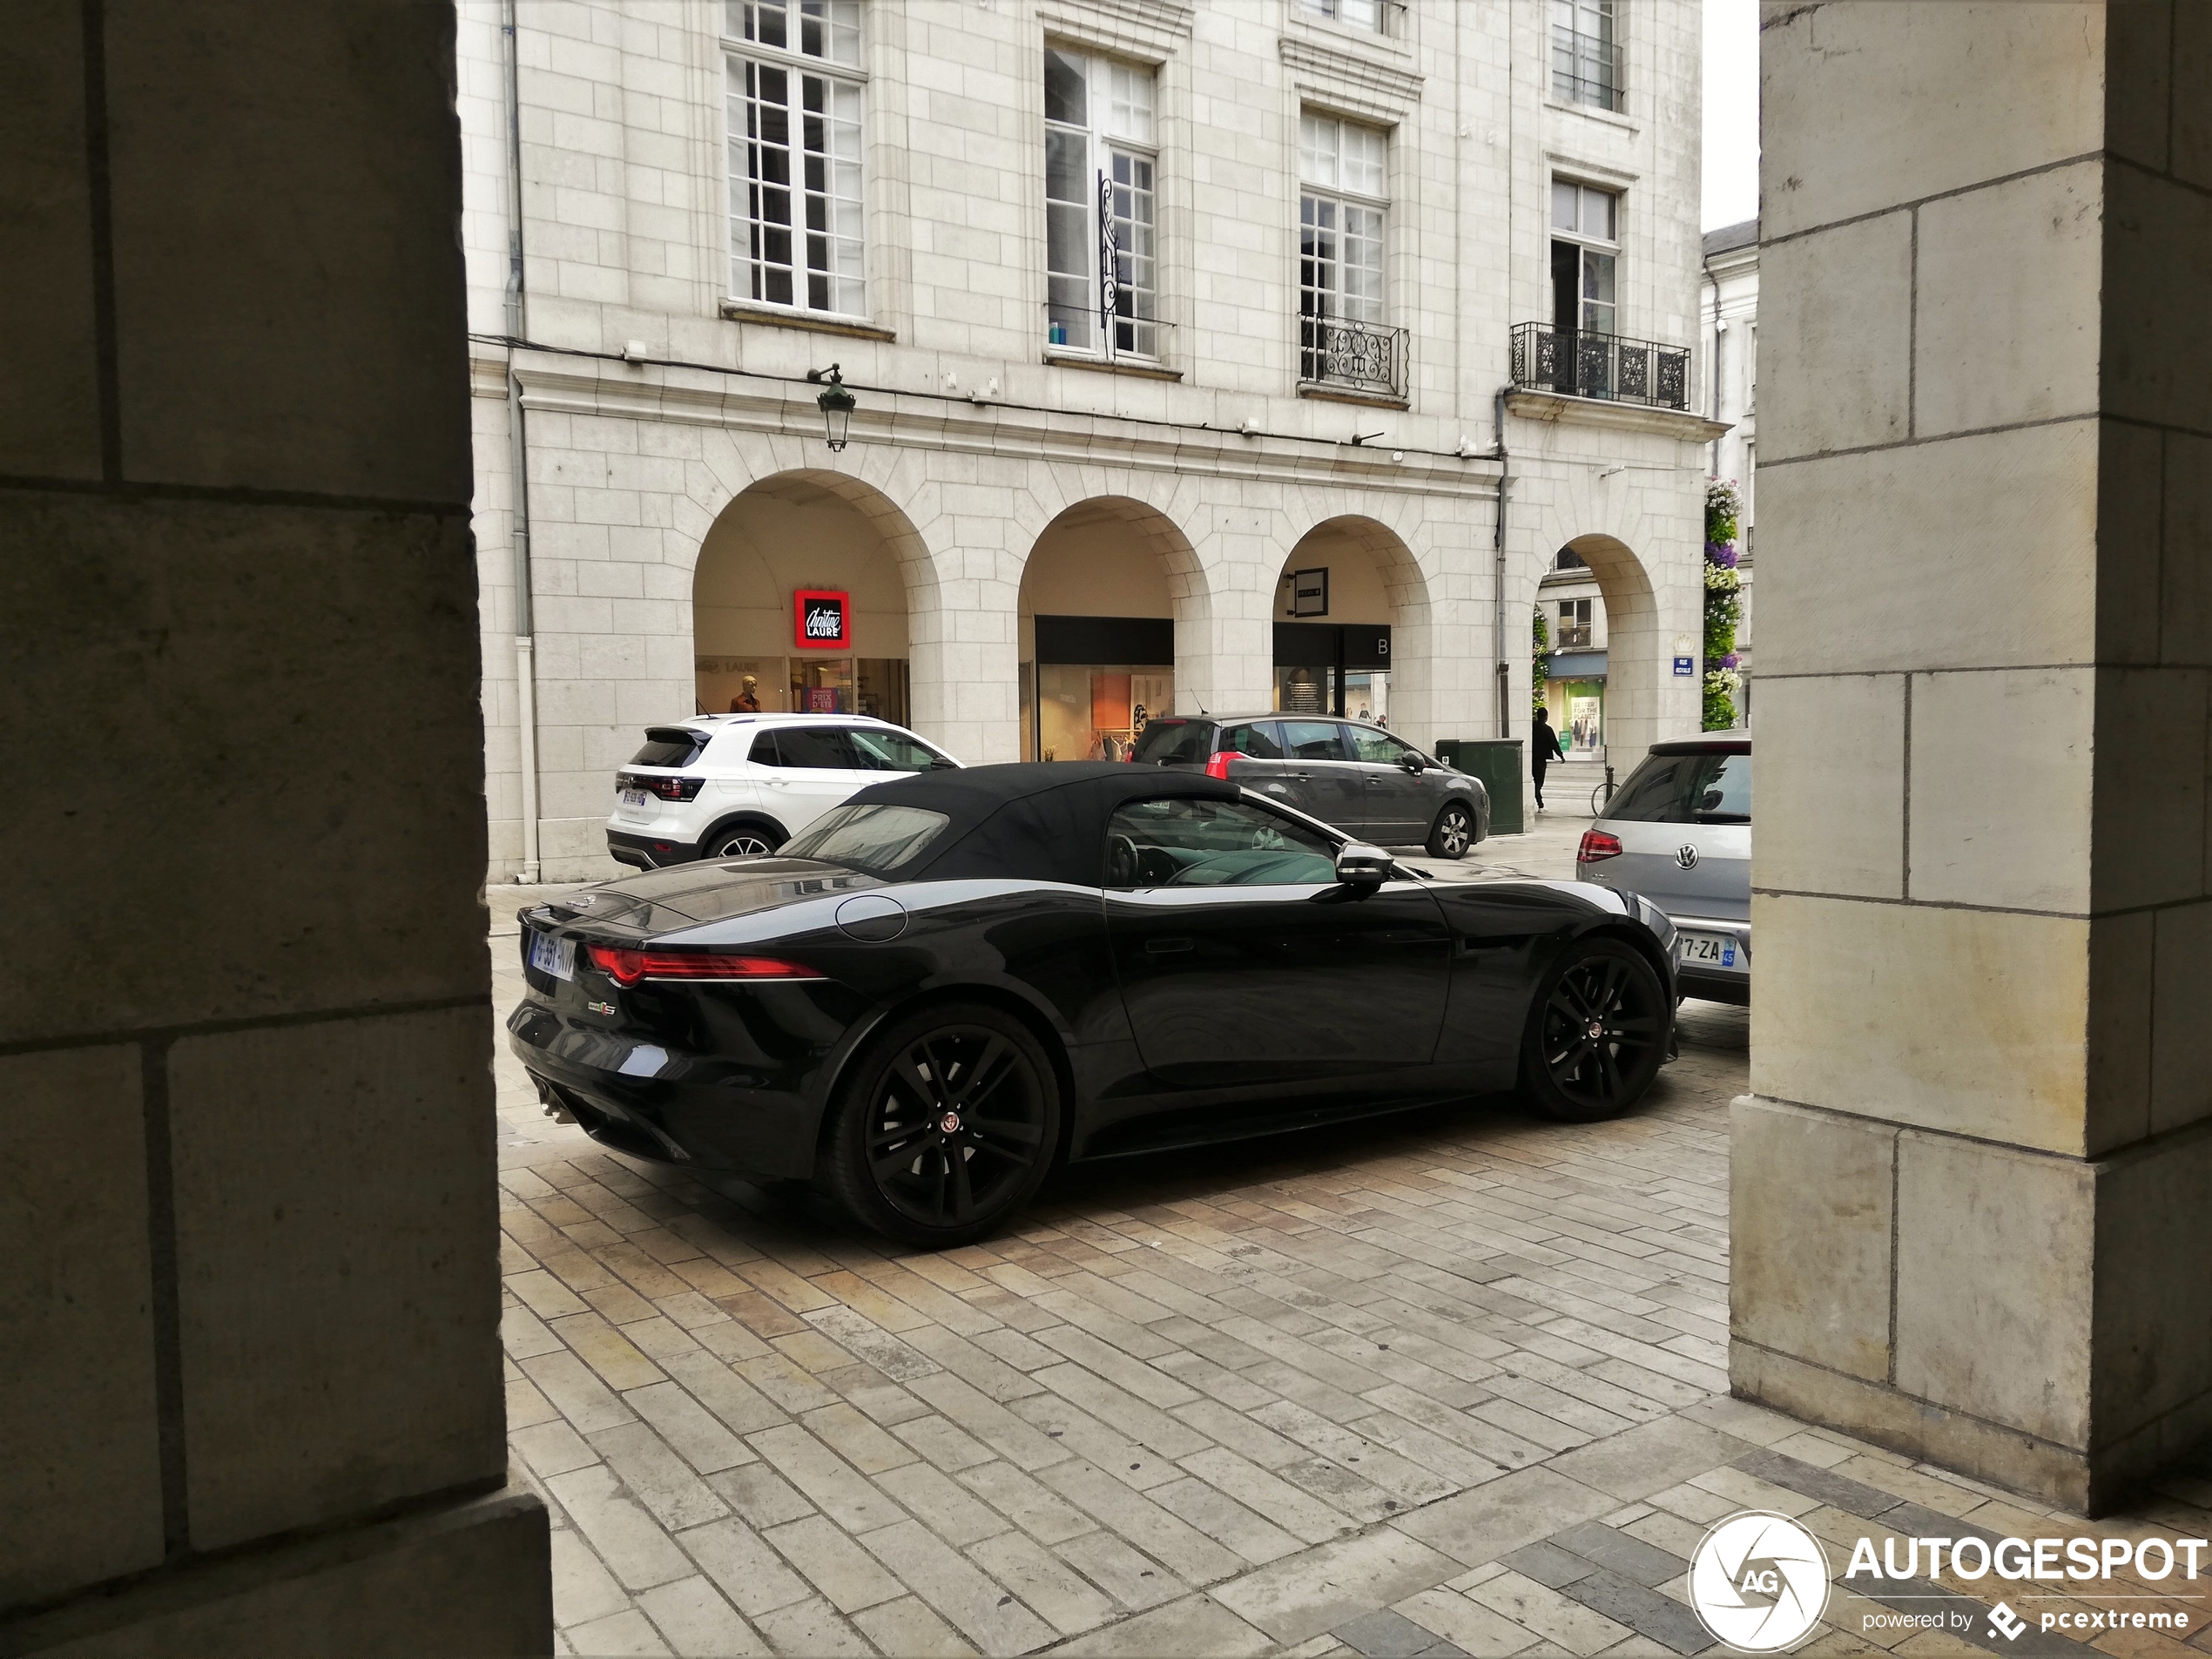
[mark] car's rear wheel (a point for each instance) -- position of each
(1597, 1033)
(1453, 833)
(742, 840)
(947, 1124)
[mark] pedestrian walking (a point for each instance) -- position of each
(1543, 749)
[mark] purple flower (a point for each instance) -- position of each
(1731, 660)
(1721, 553)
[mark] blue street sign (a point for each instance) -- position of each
(1685, 665)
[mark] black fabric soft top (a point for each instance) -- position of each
(1037, 821)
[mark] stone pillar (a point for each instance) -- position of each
(251, 1394)
(1973, 1187)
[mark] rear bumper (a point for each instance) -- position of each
(1717, 984)
(694, 1110)
(649, 852)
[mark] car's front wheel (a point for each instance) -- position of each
(1453, 833)
(1596, 1034)
(741, 842)
(947, 1124)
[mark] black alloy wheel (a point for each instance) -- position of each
(1453, 833)
(747, 841)
(1597, 1033)
(947, 1124)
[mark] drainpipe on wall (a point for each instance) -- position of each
(517, 463)
(1498, 575)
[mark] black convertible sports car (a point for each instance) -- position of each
(954, 981)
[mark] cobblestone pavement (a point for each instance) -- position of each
(1453, 1382)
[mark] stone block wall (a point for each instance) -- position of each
(252, 1395)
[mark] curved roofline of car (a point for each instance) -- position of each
(1713, 746)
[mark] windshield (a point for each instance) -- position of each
(1686, 789)
(878, 838)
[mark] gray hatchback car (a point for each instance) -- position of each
(1679, 833)
(1370, 784)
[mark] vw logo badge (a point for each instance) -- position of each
(1686, 855)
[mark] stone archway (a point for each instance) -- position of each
(805, 531)
(1638, 660)
(1114, 624)
(1377, 619)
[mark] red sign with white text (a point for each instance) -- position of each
(821, 619)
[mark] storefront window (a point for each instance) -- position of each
(1094, 711)
(873, 685)
(1365, 696)
(1578, 712)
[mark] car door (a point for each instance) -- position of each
(1401, 803)
(1322, 777)
(814, 770)
(1243, 962)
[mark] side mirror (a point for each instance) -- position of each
(1361, 866)
(1414, 764)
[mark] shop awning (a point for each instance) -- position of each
(1577, 666)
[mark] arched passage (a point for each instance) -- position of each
(1112, 616)
(799, 600)
(1351, 633)
(1604, 689)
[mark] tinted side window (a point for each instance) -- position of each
(1167, 741)
(1313, 741)
(1212, 844)
(876, 751)
(821, 746)
(670, 745)
(764, 750)
(1371, 744)
(1258, 740)
(1687, 789)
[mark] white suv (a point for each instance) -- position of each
(722, 785)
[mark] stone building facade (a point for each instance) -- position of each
(1148, 307)
(1728, 346)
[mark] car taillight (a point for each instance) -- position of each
(1218, 765)
(666, 788)
(629, 967)
(1597, 844)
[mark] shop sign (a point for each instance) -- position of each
(1684, 667)
(1309, 592)
(821, 619)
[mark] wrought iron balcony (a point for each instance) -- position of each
(1619, 370)
(1354, 356)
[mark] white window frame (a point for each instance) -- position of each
(1366, 17)
(1594, 246)
(1328, 204)
(836, 285)
(1573, 49)
(1118, 176)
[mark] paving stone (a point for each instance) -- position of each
(813, 1629)
(846, 1575)
(908, 1628)
(627, 1538)
(583, 1587)
(1062, 1596)
(1385, 1634)
(1197, 1624)
(1546, 1564)
(1631, 1557)
(1555, 1616)
(629, 1632)
(694, 1618)
(1465, 1623)
(1839, 1491)
(1317, 1588)
(657, 1477)
(1128, 1574)
(689, 1429)
(1642, 1609)
(748, 1570)
(977, 1605)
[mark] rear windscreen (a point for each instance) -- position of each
(670, 745)
(1686, 789)
(1169, 742)
(880, 839)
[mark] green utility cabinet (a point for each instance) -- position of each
(1498, 763)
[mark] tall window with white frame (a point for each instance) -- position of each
(796, 93)
(1586, 255)
(1343, 207)
(1383, 16)
(1102, 192)
(1585, 53)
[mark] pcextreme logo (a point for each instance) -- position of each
(1759, 1581)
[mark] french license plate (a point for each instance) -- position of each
(636, 799)
(1709, 950)
(552, 955)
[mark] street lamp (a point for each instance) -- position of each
(836, 403)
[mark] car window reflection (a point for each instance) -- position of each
(1191, 843)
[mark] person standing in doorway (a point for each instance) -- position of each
(1543, 749)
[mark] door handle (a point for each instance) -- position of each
(1169, 947)
(1277, 789)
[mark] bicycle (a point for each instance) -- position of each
(1601, 795)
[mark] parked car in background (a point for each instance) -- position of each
(728, 785)
(1679, 833)
(1370, 783)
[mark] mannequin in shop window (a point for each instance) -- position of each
(747, 701)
